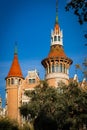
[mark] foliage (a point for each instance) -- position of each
(27, 126)
(76, 106)
(64, 107)
(7, 124)
(80, 9)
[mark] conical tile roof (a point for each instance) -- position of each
(56, 51)
(15, 70)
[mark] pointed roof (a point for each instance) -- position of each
(56, 51)
(15, 70)
(56, 21)
(56, 27)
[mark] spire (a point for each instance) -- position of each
(56, 22)
(15, 70)
(15, 49)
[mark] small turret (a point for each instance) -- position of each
(15, 70)
(13, 88)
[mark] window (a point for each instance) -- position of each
(64, 68)
(31, 81)
(49, 69)
(53, 69)
(8, 81)
(58, 38)
(56, 67)
(12, 81)
(19, 81)
(60, 67)
(51, 39)
(16, 81)
(55, 38)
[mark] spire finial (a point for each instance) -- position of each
(56, 11)
(15, 49)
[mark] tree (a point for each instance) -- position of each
(57, 108)
(7, 124)
(80, 9)
(46, 103)
(76, 106)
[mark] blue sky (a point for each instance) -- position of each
(29, 22)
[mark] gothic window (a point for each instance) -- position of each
(55, 38)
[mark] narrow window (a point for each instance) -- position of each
(19, 81)
(12, 81)
(49, 69)
(64, 69)
(51, 39)
(60, 67)
(55, 38)
(52, 67)
(57, 67)
(58, 38)
(8, 81)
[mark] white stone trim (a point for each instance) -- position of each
(57, 75)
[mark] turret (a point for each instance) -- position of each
(13, 88)
(56, 64)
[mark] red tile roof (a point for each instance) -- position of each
(56, 51)
(15, 70)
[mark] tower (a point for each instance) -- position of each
(13, 88)
(56, 64)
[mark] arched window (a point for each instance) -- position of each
(56, 67)
(16, 81)
(55, 38)
(58, 38)
(12, 81)
(60, 67)
(67, 71)
(53, 69)
(8, 81)
(64, 69)
(19, 81)
(46, 70)
(49, 69)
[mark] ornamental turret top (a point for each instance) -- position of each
(56, 34)
(56, 21)
(15, 70)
